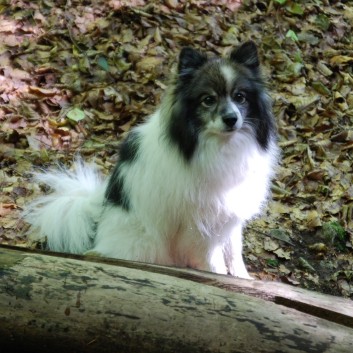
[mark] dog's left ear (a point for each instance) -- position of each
(190, 60)
(246, 55)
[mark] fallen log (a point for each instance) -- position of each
(59, 302)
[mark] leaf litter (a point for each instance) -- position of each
(77, 75)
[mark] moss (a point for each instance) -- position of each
(272, 262)
(334, 234)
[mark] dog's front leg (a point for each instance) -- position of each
(233, 250)
(216, 260)
(201, 252)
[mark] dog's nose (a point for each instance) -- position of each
(230, 120)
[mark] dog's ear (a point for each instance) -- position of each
(246, 55)
(190, 60)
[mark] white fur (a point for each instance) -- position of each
(183, 214)
(67, 215)
(229, 75)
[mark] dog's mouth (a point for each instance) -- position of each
(228, 130)
(225, 131)
(247, 128)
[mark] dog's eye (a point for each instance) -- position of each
(239, 98)
(209, 101)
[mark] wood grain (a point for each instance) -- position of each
(70, 303)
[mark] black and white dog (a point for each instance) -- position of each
(187, 180)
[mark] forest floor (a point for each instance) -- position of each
(76, 75)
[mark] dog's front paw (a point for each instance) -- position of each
(240, 271)
(244, 275)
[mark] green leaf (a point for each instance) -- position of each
(103, 63)
(295, 9)
(295, 69)
(281, 1)
(280, 234)
(308, 38)
(323, 22)
(334, 233)
(122, 65)
(75, 114)
(321, 88)
(305, 264)
(297, 57)
(292, 35)
(272, 262)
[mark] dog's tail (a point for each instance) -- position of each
(67, 217)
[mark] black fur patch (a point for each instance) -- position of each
(184, 125)
(259, 114)
(129, 148)
(115, 193)
(260, 117)
(246, 55)
(190, 60)
(260, 111)
(185, 122)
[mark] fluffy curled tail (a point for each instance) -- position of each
(67, 217)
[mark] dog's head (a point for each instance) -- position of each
(219, 96)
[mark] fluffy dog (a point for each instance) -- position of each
(187, 179)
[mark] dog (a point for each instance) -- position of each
(187, 180)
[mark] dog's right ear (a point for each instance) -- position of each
(246, 55)
(189, 61)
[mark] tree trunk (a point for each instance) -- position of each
(65, 303)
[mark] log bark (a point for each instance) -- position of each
(58, 303)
